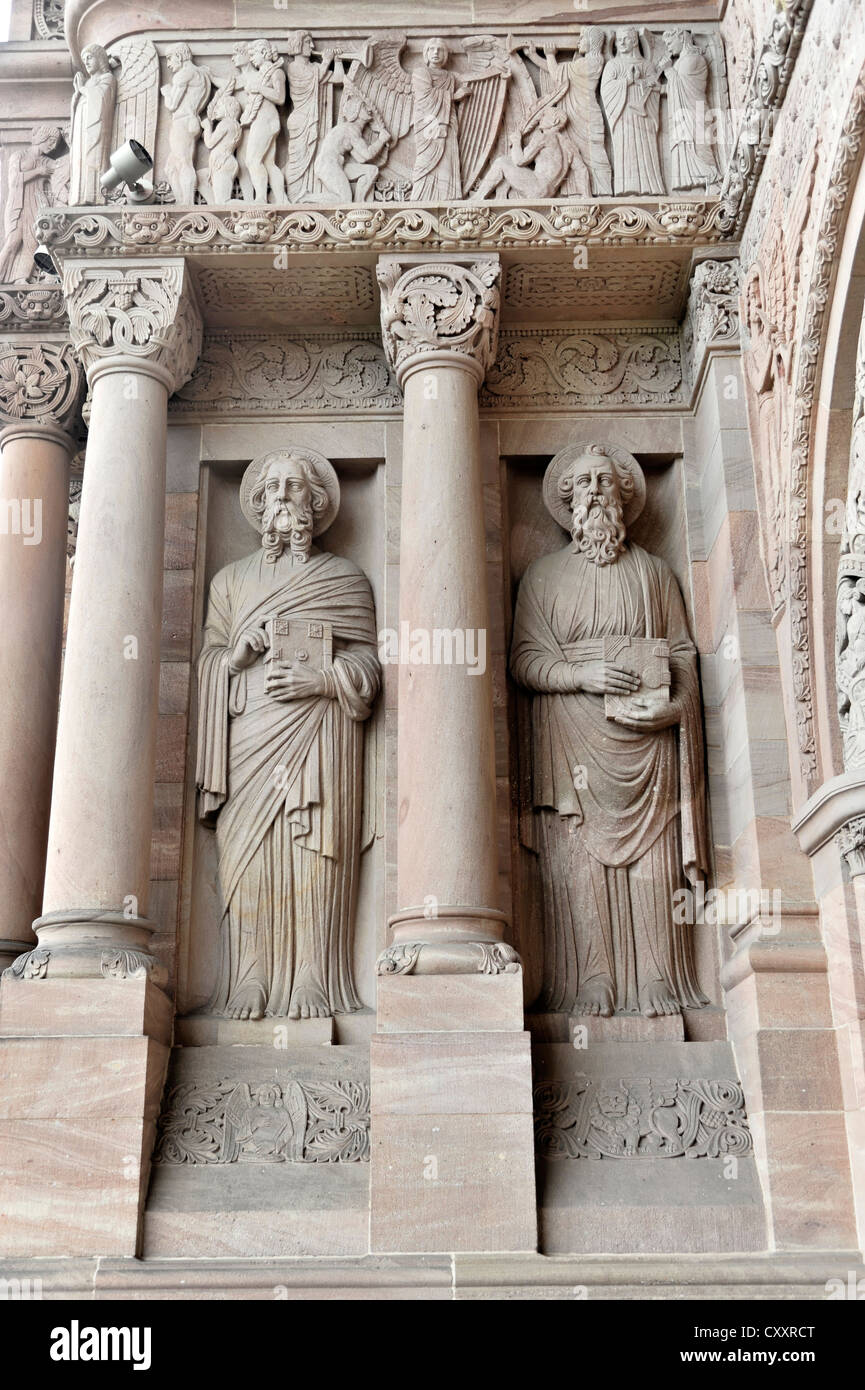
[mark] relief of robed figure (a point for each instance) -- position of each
(287, 676)
(618, 793)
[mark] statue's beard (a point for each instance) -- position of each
(285, 526)
(598, 531)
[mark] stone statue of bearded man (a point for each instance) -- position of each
(618, 783)
(287, 675)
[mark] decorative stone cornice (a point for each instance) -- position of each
(712, 316)
(41, 385)
(773, 69)
(438, 307)
(137, 317)
(32, 306)
(388, 228)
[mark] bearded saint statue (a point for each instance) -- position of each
(287, 675)
(618, 799)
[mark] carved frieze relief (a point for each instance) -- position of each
(40, 382)
(294, 1121)
(299, 120)
(263, 374)
(641, 1117)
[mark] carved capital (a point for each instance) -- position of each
(142, 316)
(41, 385)
(438, 306)
(712, 318)
(851, 842)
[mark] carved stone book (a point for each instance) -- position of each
(300, 642)
(647, 657)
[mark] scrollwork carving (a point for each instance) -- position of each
(641, 1117)
(270, 1122)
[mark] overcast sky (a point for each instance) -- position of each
(4, 18)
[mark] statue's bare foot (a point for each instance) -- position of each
(246, 1002)
(596, 997)
(308, 1000)
(657, 1000)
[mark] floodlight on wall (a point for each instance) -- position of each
(43, 258)
(130, 164)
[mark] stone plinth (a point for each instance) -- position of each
(83, 1064)
(451, 1134)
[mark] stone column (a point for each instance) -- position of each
(138, 331)
(84, 1029)
(40, 394)
(439, 321)
(452, 1165)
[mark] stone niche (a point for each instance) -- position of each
(357, 534)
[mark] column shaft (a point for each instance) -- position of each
(446, 767)
(34, 487)
(98, 859)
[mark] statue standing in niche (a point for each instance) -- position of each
(287, 675)
(631, 94)
(618, 786)
(93, 101)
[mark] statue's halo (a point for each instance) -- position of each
(558, 506)
(324, 472)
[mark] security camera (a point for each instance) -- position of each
(129, 165)
(43, 258)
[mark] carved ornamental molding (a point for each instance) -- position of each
(439, 306)
(641, 1117)
(773, 68)
(40, 383)
(146, 315)
(465, 227)
(32, 306)
(262, 374)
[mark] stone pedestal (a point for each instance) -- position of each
(451, 1121)
(83, 1063)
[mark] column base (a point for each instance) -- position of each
(455, 941)
(90, 944)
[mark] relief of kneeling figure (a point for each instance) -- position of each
(288, 673)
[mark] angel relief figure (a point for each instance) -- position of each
(115, 99)
(455, 116)
(265, 1125)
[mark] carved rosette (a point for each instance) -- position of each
(146, 315)
(439, 307)
(41, 384)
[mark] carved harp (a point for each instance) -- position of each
(479, 118)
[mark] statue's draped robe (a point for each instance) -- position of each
(620, 813)
(304, 126)
(587, 125)
(92, 129)
(283, 779)
(692, 161)
(436, 172)
(633, 114)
